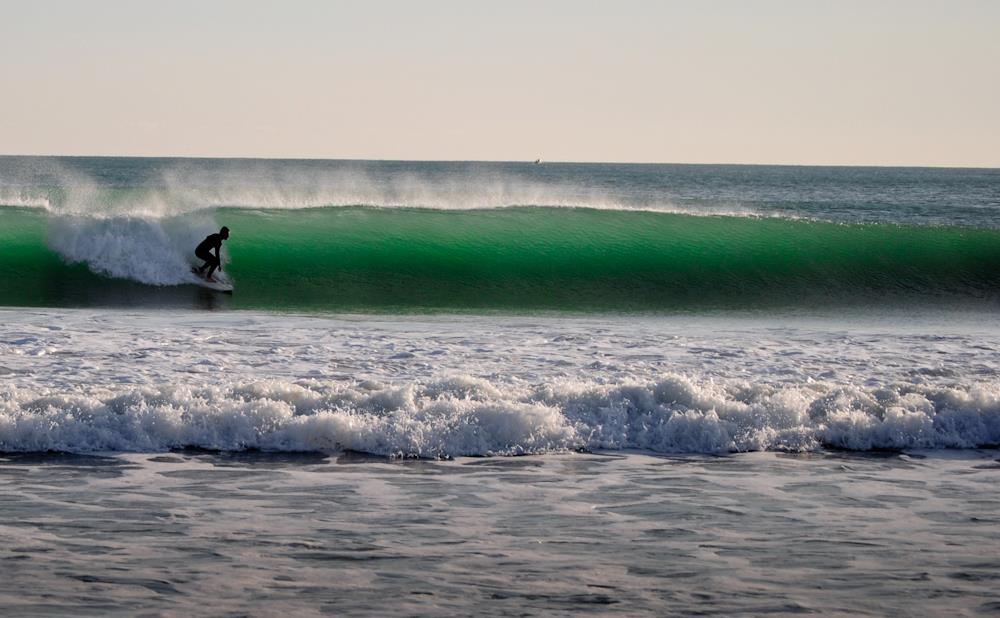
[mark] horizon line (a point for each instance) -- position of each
(527, 161)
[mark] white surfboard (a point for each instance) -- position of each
(220, 284)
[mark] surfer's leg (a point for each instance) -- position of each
(215, 264)
(206, 257)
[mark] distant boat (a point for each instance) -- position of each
(537, 161)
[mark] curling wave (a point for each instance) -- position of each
(526, 258)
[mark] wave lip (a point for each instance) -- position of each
(467, 416)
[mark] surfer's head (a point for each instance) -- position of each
(224, 232)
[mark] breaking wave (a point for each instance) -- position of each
(527, 258)
(467, 416)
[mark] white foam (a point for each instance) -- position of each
(151, 251)
(93, 381)
(444, 419)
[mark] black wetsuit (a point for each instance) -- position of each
(204, 252)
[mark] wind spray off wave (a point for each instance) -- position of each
(329, 236)
(517, 259)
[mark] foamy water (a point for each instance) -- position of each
(82, 381)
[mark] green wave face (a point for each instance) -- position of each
(370, 259)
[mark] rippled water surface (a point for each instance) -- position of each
(303, 534)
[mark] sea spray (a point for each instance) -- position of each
(437, 236)
(150, 251)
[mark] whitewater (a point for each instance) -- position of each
(446, 387)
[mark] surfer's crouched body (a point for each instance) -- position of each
(204, 252)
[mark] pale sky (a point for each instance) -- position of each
(772, 81)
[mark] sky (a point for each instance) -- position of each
(874, 82)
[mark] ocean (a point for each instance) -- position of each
(498, 388)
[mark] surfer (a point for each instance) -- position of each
(204, 252)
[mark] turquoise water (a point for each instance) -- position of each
(391, 237)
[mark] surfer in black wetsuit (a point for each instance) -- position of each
(204, 252)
